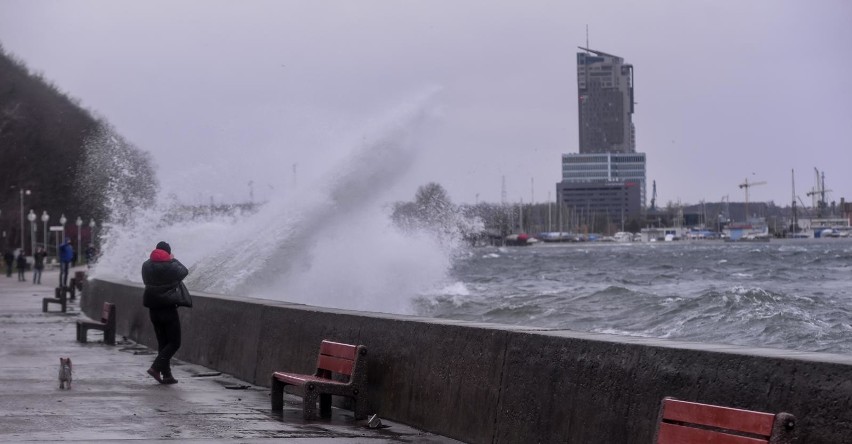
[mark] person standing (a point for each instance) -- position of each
(38, 264)
(66, 255)
(22, 266)
(162, 274)
(9, 258)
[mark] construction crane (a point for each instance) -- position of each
(819, 191)
(746, 184)
(654, 197)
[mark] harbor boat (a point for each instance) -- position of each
(558, 236)
(750, 238)
(520, 240)
(623, 236)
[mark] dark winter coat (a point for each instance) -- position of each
(161, 274)
(38, 259)
(66, 252)
(22, 262)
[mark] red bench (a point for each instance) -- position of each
(61, 299)
(341, 371)
(107, 325)
(683, 422)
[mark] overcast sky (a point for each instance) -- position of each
(231, 92)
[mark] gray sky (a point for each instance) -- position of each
(226, 92)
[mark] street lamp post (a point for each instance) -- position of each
(45, 218)
(62, 220)
(27, 192)
(32, 217)
(79, 223)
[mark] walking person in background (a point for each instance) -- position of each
(38, 264)
(162, 275)
(9, 258)
(66, 255)
(22, 266)
(90, 255)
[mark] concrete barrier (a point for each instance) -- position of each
(485, 383)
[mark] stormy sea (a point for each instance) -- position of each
(789, 294)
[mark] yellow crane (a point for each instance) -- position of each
(746, 185)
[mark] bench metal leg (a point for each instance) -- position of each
(360, 409)
(309, 409)
(277, 395)
(325, 405)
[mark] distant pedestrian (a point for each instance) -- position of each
(66, 255)
(22, 266)
(91, 252)
(38, 264)
(162, 275)
(9, 258)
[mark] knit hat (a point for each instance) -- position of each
(164, 246)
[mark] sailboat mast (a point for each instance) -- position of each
(795, 227)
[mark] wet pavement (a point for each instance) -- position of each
(112, 399)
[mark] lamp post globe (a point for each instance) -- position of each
(62, 220)
(32, 217)
(45, 218)
(92, 231)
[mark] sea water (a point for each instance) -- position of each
(790, 294)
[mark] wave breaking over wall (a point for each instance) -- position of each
(331, 243)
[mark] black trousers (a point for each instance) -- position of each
(167, 328)
(63, 274)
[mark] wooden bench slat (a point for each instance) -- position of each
(338, 349)
(300, 379)
(336, 365)
(676, 434)
(758, 423)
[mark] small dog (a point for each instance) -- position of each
(64, 372)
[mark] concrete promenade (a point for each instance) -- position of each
(112, 399)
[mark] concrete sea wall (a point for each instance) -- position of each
(486, 383)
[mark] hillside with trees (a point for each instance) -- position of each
(66, 157)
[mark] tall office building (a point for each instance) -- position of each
(607, 176)
(605, 87)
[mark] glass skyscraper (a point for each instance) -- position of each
(605, 102)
